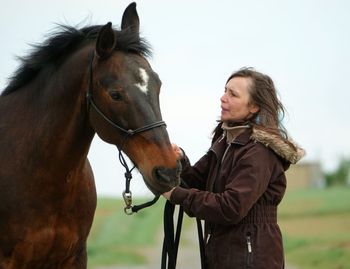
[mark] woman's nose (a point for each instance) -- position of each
(223, 98)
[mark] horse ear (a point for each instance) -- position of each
(130, 18)
(106, 41)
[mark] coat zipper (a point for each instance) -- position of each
(208, 237)
(249, 250)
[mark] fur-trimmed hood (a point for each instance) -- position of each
(290, 152)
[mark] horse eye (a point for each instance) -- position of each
(117, 96)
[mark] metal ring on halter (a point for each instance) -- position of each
(128, 210)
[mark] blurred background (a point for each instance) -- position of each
(302, 45)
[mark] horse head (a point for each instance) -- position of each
(124, 105)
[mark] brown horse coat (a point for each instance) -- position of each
(47, 189)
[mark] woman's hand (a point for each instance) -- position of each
(179, 155)
(168, 194)
(178, 152)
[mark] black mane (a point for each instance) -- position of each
(60, 44)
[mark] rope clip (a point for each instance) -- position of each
(128, 203)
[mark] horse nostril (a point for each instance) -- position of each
(163, 174)
(169, 176)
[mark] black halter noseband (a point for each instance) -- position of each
(129, 208)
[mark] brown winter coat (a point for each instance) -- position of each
(237, 194)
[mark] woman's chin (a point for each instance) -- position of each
(224, 118)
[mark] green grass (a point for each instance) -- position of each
(116, 238)
(316, 228)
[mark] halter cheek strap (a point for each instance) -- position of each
(127, 195)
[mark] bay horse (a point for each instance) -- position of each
(77, 83)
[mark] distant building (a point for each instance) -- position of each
(305, 175)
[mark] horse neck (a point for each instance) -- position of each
(57, 115)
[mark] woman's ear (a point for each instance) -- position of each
(253, 109)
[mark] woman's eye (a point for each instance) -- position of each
(232, 93)
(229, 92)
(116, 96)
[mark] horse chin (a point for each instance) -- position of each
(158, 187)
(162, 179)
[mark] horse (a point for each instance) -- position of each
(79, 82)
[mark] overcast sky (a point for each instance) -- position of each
(302, 44)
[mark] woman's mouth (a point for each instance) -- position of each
(223, 110)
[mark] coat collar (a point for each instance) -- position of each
(286, 149)
(219, 146)
(233, 132)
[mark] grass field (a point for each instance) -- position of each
(316, 228)
(116, 238)
(315, 225)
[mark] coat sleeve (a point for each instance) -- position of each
(247, 181)
(195, 176)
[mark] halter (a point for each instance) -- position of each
(127, 195)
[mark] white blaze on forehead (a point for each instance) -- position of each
(143, 85)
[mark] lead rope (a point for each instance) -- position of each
(171, 240)
(127, 195)
(129, 208)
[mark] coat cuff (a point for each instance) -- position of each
(178, 195)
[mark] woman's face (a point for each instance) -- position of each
(235, 103)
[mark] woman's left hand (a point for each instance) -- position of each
(168, 194)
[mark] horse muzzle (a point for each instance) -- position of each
(164, 179)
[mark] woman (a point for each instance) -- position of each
(237, 185)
